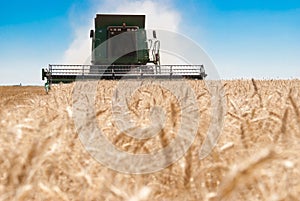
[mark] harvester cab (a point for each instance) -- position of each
(121, 50)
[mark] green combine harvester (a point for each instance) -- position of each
(121, 50)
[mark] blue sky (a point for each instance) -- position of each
(245, 39)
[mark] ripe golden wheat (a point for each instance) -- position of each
(256, 157)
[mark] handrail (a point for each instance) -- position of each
(69, 73)
(138, 69)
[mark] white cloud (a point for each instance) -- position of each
(79, 50)
(159, 15)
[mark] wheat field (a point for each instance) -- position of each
(256, 156)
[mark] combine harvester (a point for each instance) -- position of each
(120, 50)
